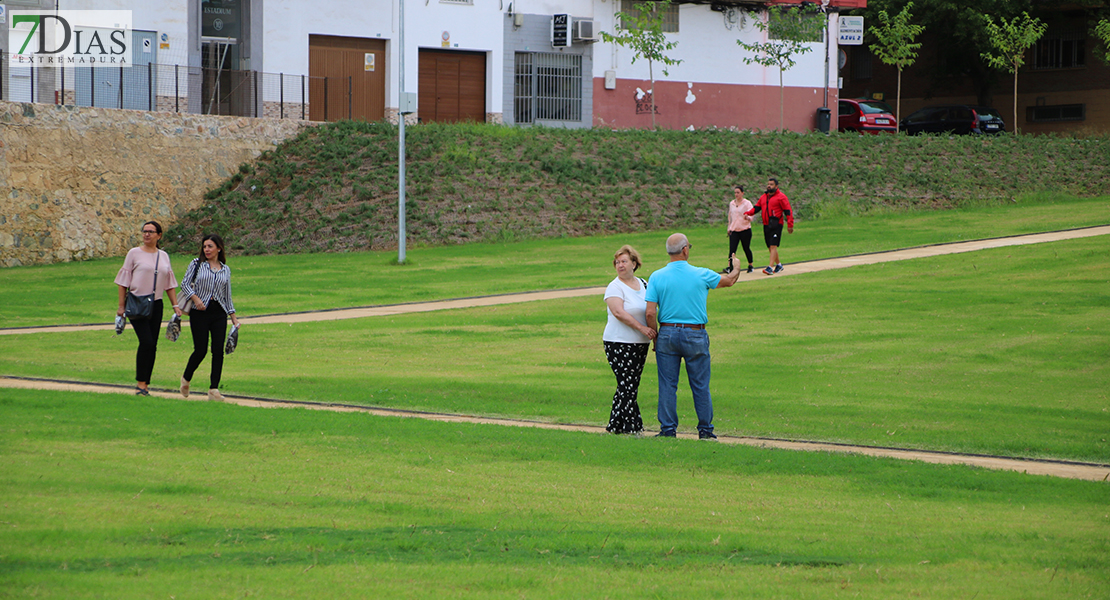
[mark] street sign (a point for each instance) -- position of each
(851, 31)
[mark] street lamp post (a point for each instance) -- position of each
(401, 107)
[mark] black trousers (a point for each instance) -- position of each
(208, 324)
(737, 237)
(147, 332)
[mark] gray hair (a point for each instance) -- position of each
(676, 243)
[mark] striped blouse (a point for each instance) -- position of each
(209, 284)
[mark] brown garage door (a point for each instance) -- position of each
(452, 86)
(351, 90)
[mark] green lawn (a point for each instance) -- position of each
(1001, 351)
(917, 353)
(115, 496)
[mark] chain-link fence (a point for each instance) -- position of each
(176, 88)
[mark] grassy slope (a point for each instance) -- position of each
(334, 188)
(114, 496)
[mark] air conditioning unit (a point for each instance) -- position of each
(584, 31)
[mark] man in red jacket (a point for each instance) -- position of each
(775, 207)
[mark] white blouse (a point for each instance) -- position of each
(635, 304)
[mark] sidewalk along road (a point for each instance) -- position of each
(1063, 469)
(792, 269)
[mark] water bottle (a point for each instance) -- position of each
(119, 324)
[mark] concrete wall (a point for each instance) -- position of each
(77, 183)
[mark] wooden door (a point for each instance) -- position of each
(452, 86)
(341, 72)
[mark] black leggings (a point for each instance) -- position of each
(735, 238)
(147, 332)
(211, 322)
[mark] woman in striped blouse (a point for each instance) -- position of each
(208, 284)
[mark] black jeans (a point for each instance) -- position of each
(205, 324)
(737, 237)
(147, 332)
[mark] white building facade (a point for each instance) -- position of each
(525, 62)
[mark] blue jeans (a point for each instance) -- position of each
(672, 346)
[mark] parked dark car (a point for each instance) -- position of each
(990, 121)
(959, 119)
(865, 116)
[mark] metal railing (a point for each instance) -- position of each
(175, 88)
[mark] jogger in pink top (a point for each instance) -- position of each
(739, 226)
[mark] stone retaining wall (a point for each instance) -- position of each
(77, 183)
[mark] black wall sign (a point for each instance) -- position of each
(560, 31)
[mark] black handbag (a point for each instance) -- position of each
(141, 308)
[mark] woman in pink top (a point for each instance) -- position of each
(147, 270)
(739, 226)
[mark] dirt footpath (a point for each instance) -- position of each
(1070, 470)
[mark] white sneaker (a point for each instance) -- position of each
(214, 395)
(184, 387)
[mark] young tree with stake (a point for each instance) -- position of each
(896, 46)
(1010, 40)
(789, 31)
(642, 32)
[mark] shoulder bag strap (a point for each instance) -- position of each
(157, 257)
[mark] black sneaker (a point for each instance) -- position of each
(778, 267)
(749, 268)
(665, 434)
(706, 435)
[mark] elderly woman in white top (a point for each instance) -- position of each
(626, 339)
(207, 283)
(146, 270)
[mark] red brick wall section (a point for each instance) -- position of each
(681, 105)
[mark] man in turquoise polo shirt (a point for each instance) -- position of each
(676, 296)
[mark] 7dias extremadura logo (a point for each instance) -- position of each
(70, 38)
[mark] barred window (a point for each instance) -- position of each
(1061, 112)
(547, 87)
(670, 18)
(1060, 50)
